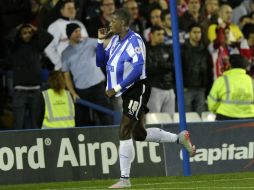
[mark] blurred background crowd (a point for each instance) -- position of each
(35, 46)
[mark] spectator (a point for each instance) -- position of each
(190, 16)
(145, 7)
(245, 20)
(51, 12)
(245, 8)
(56, 108)
(231, 96)
(222, 47)
(182, 7)
(211, 8)
(209, 16)
(163, 4)
(137, 25)
(224, 21)
(13, 13)
(196, 70)
(160, 74)
(89, 9)
(155, 19)
(219, 51)
(166, 23)
(107, 8)
(36, 13)
(252, 15)
(27, 48)
(79, 60)
(248, 31)
(57, 29)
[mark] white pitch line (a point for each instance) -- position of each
(168, 183)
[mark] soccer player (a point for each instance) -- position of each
(124, 57)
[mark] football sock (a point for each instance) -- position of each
(159, 135)
(126, 155)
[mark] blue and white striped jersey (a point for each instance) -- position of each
(123, 55)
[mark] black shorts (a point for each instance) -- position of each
(135, 99)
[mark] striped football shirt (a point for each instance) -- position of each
(123, 55)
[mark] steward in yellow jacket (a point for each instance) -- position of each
(232, 94)
(58, 105)
(59, 109)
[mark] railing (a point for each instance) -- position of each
(116, 114)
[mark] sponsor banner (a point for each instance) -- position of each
(32, 156)
(221, 147)
(71, 154)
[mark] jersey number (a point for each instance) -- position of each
(133, 107)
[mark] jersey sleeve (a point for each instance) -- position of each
(136, 51)
(102, 54)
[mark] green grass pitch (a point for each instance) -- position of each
(237, 181)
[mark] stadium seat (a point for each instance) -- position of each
(158, 118)
(190, 117)
(207, 116)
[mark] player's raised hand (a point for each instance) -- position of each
(102, 33)
(111, 92)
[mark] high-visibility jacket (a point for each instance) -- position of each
(232, 95)
(234, 32)
(59, 110)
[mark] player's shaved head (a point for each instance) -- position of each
(124, 15)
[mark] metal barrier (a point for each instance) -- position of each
(116, 114)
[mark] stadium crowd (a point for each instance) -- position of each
(39, 37)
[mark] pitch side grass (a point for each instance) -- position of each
(237, 181)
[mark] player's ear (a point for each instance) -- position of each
(124, 25)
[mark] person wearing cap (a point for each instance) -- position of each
(87, 81)
(232, 96)
(57, 29)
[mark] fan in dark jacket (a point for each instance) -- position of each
(197, 71)
(27, 45)
(160, 74)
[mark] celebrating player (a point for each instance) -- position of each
(124, 58)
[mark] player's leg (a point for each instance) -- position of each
(126, 148)
(151, 134)
(184, 139)
(139, 133)
(126, 151)
(132, 104)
